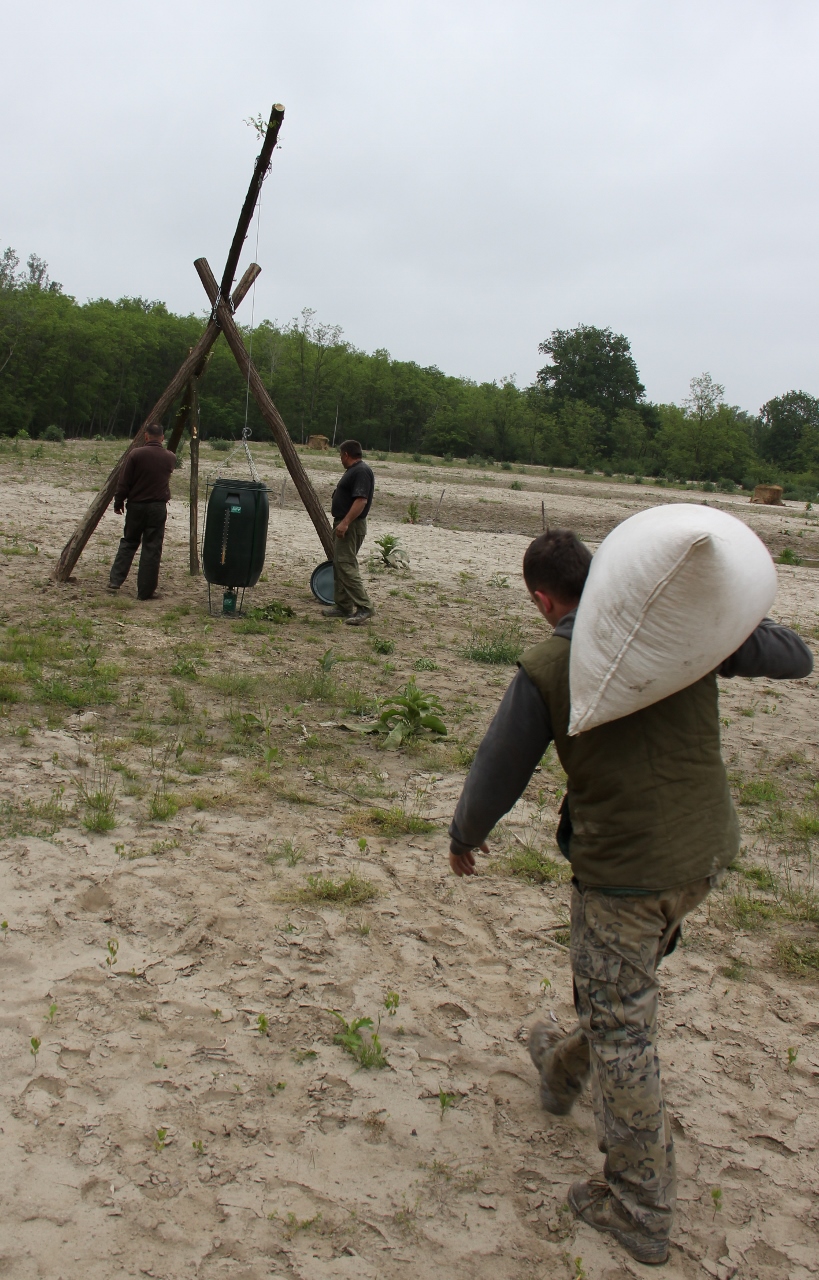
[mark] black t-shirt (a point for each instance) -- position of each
(357, 482)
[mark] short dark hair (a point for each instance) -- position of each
(154, 429)
(351, 447)
(557, 563)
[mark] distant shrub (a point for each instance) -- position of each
(506, 466)
(54, 435)
(221, 446)
(516, 484)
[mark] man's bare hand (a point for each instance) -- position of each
(341, 530)
(463, 864)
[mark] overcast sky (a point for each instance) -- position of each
(455, 178)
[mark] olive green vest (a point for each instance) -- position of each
(648, 794)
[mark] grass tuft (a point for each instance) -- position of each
(803, 961)
(344, 893)
(532, 865)
(387, 822)
(500, 645)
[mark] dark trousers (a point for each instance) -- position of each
(145, 523)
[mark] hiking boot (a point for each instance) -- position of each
(594, 1202)
(358, 618)
(563, 1064)
(335, 612)
(111, 586)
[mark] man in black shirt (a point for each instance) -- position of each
(144, 482)
(352, 499)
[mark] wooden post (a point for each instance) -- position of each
(259, 174)
(194, 508)
(76, 544)
(268, 410)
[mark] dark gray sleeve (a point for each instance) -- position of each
(505, 761)
(774, 651)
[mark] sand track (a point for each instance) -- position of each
(309, 1167)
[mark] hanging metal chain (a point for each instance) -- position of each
(246, 434)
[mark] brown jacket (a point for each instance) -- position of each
(145, 475)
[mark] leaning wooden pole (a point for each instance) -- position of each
(259, 174)
(196, 359)
(194, 491)
(268, 410)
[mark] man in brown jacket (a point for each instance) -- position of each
(144, 483)
(649, 827)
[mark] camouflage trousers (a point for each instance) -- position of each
(617, 941)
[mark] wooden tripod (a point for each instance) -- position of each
(186, 378)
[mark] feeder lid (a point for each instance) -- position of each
(322, 583)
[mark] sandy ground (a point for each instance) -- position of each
(157, 1131)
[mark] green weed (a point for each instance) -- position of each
(185, 667)
(499, 645)
(287, 851)
(788, 556)
(531, 864)
(803, 961)
(759, 791)
(273, 611)
(99, 799)
(392, 554)
(344, 893)
(367, 1049)
(395, 821)
(445, 1101)
(407, 715)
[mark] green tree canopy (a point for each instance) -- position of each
(789, 430)
(593, 365)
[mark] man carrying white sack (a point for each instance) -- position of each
(649, 827)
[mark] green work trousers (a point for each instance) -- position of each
(350, 593)
(144, 523)
(617, 941)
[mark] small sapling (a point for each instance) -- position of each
(160, 1139)
(391, 1002)
(716, 1200)
(262, 1024)
(362, 844)
(445, 1101)
(52, 1009)
(35, 1048)
(4, 925)
(198, 1147)
(113, 949)
(793, 1054)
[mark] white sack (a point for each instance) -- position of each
(671, 593)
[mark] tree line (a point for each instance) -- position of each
(96, 368)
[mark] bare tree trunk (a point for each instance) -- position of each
(268, 411)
